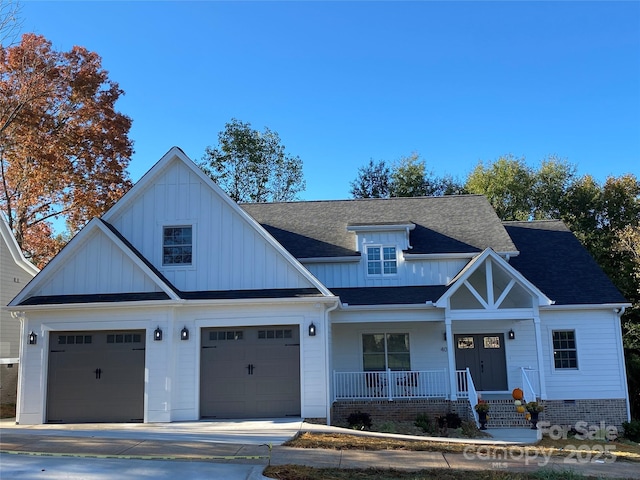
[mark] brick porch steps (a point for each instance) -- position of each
(502, 414)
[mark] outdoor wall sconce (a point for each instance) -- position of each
(312, 330)
(157, 334)
(33, 338)
(512, 335)
(184, 334)
(444, 336)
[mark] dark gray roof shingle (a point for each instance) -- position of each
(413, 295)
(450, 224)
(553, 259)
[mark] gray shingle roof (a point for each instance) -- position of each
(412, 295)
(450, 224)
(553, 259)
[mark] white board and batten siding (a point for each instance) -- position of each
(414, 272)
(228, 252)
(97, 266)
(599, 374)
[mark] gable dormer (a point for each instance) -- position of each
(381, 246)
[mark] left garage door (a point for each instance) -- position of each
(96, 376)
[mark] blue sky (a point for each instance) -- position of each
(345, 82)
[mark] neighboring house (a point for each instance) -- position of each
(15, 272)
(178, 304)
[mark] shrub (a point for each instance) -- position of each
(387, 427)
(469, 430)
(423, 421)
(632, 430)
(359, 420)
(450, 420)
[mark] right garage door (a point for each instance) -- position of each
(250, 372)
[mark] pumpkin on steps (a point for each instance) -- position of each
(517, 394)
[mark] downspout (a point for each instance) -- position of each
(327, 344)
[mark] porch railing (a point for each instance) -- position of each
(466, 389)
(530, 384)
(390, 385)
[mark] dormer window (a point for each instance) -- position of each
(382, 260)
(177, 245)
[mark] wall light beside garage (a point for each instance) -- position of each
(33, 338)
(157, 334)
(184, 333)
(312, 330)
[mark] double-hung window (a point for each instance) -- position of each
(565, 351)
(177, 245)
(385, 350)
(381, 260)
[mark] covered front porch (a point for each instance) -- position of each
(403, 395)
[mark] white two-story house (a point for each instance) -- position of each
(179, 304)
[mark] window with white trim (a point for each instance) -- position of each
(177, 245)
(565, 351)
(382, 260)
(385, 350)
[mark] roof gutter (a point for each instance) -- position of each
(169, 303)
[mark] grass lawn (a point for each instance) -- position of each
(301, 472)
(622, 450)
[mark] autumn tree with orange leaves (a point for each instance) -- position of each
(64, 149)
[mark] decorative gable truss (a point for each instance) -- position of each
(489, 283)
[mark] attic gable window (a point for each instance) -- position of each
(177, 245)
(382, 260)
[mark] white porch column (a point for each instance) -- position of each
(453, 386)
(543, 385)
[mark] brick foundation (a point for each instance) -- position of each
(502, 413)
(568, 412)
(398, 410)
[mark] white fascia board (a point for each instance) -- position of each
(484, 315)
(381, 228)
(590, 306)
(9, 360)
(97, 305)
(436, 256)
(176, 152)
(402, 306)
(349, 259)
(163, 304)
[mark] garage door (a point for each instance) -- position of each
(251, 372)
(96, 377)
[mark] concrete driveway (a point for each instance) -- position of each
(275, 431)
(229, 449)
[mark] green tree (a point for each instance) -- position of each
(252, 166)
(507, 183)
(408, 177)
(373, 181)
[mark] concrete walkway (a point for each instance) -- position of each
(255, 443)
